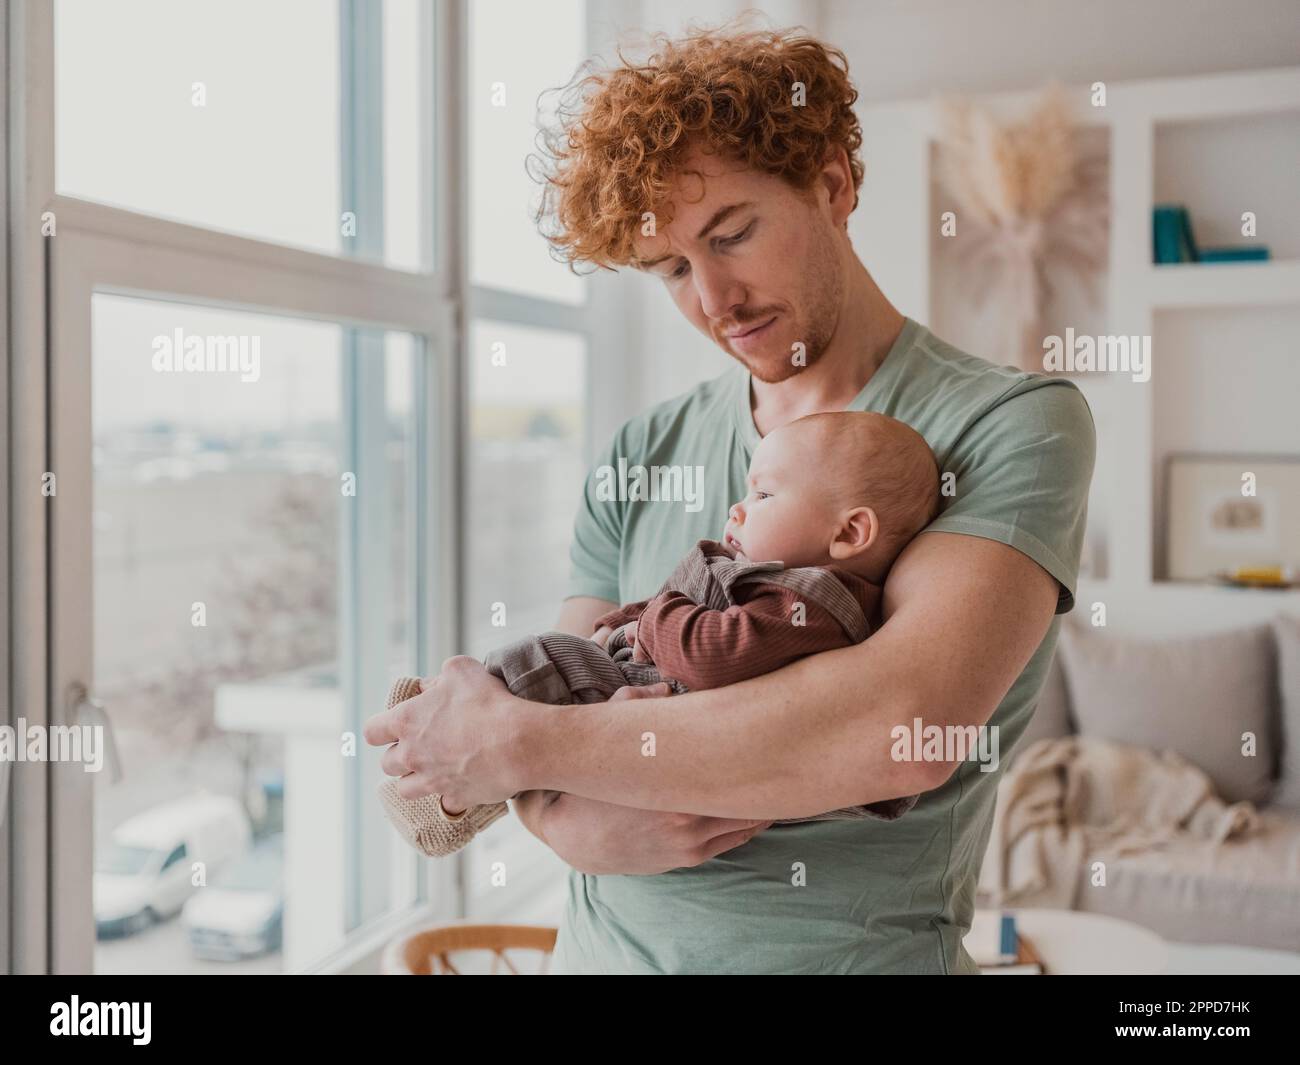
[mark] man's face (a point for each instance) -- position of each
(753, 263)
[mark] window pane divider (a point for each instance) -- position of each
(499, 305)
(348, 293)
(228, 250)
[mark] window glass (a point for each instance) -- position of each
(516, 52)
(527, 389)
(223, 558)
(526, 472)
(227, 116)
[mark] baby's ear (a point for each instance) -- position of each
(859, 529)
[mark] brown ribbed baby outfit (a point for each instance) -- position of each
(716, 621)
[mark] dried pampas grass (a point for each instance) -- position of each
(1031, 205)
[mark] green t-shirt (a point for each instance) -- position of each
(879, 896)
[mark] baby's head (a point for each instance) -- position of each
(846, 488)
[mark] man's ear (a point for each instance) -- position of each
(837, 178)
(858, 530)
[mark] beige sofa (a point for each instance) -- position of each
(1198, 696)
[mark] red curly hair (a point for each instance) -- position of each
(620, 135)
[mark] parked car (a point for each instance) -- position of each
(240, 914)
(146, 872)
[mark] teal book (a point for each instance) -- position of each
(1256, 253)
(1171, 235)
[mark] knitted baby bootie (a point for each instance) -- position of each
(423, 823)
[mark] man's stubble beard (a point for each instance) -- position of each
(821, 298)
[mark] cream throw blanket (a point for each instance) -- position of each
(1070, 800)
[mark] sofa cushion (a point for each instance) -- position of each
(1051, 718)
(1287, 630)
(1195, 695)
(1244, 891)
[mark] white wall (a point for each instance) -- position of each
(899, 49)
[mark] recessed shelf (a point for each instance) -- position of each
(1190, 593)
(1226, 169)
(1224, 385)
(1227, 589)
(1224, 284)
(1224, 372)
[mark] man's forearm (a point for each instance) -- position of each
(796, 742)
(815, 735)
(530, 808)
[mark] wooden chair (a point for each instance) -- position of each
(427, 952)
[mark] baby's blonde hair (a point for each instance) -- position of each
(878, 461)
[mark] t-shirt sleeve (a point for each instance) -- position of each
(597, 533)
(1022, 472)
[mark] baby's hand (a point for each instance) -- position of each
(638, 651)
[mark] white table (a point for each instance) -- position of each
(1073, 943)
(1196, 959)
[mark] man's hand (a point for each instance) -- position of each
(453, 739)
(600, 838)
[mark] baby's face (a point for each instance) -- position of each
(788, 515)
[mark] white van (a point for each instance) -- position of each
(146, 872)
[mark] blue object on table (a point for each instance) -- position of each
(1007, 943)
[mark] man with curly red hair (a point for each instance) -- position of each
(726, 166)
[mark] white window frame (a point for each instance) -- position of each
(7, 714)
(105, 249)
(603, 319)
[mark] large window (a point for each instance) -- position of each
(317, 399)
(249, 408)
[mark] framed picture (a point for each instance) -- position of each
(1231, 511)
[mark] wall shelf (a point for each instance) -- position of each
(1224, 335)
(1223, 284)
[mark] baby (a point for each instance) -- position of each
(844, 491)
(833, 499)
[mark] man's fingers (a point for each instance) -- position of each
(729, 840)
(381, 729)
(648, 691)
(393, 762)
(711, 827)
(411, 787)
(454, 664)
